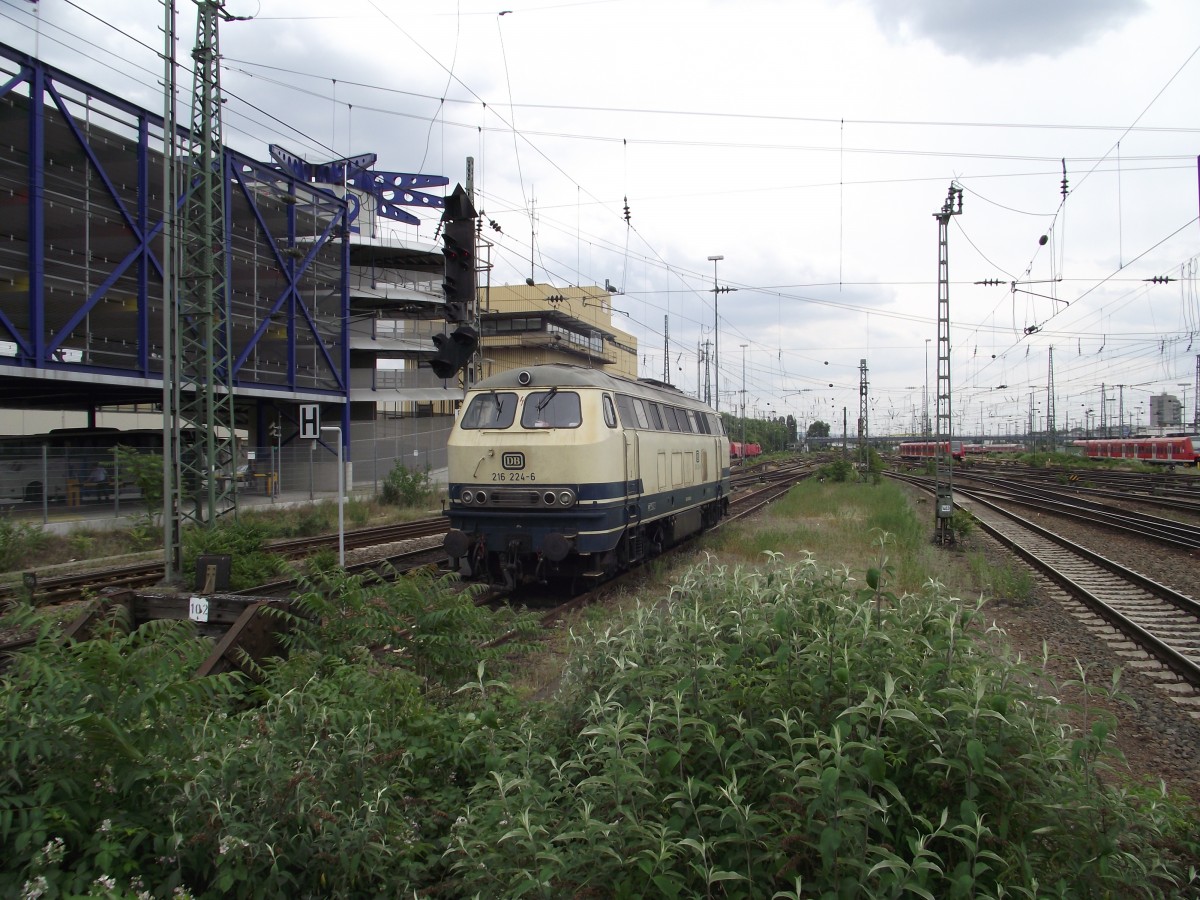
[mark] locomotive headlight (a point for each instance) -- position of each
(481, 497)
(566, 498)
(467, 497)
(548, 498)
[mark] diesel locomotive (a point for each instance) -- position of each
(559, 471)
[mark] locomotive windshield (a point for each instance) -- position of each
(551, 409)
(494, 410)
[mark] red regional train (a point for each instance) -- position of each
(929, 449)
(738, 450)
(1165, 450)
(988, 449)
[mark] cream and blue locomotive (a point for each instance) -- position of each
(560, 471)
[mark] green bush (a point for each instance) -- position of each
(341, 774)
(245, 543)
(19, 544)
(97, 739)
(786, 733)
(840, 470)
(406, 487)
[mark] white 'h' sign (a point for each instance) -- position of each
(310, 421)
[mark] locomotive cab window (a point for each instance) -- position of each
(551, 409)
(492, 410)
(610, 412)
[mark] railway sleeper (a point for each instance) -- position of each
(245, 630)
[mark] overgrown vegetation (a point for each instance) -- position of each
(787, 731)
(829, 723)
(406, 487)
(337, 775)
(1006, 581)
(250, 562)
(20, 543)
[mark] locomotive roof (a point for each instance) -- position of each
(564, 376)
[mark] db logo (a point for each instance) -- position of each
(513, 460)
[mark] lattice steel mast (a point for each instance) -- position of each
(944, 476)
(1050, 414)
(203, 365)
(864, 437)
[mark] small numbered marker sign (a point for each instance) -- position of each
(198, 609)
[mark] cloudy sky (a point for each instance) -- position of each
(809, 143)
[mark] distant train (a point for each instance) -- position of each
(929, 449)
(1164, 450)
(563, 472)
(990, 449)
(738, 450)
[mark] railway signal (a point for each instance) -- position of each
(458, 246)
(453, 351)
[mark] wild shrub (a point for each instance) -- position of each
(251, 562)
(786, 731)
(19, 544)
(146, 471)
(405, 487)
(840, 470)
(95, 735)
(436, 629)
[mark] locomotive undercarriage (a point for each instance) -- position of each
(516, 563)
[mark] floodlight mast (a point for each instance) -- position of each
(944, 477)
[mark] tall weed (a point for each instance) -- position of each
(788, 729)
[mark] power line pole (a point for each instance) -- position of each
(717, 333)
(863, 438)
(666, 351)
(707, 373)
(1050, 400)
(170, 402)
(203, 419)
(944, 478)
(744, 346)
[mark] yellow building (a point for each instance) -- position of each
(526, 325)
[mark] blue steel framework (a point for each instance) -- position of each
(81, 231)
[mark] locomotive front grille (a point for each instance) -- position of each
(514, 497)
(518, 498)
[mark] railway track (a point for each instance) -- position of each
(774, 484)
(1152, 627)
(1056, 500)
(75, 586)
(771, 485)
(1149, 624)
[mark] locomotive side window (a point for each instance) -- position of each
(610, 412)
(493, 410)
(551, 409)
(655, 417)
(633, 412)
(671, 415)
(628, 416)
(643, 413)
